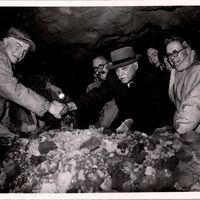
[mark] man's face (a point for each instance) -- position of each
(16, 49)
(176, 53)
(127, 73)
(100, 67)
(153, 56)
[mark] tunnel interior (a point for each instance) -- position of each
(68, 38)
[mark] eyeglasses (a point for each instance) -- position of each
(100, 67)
(174, 53)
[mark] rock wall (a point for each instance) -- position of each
(67, 38)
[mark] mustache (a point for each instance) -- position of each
(102, 72)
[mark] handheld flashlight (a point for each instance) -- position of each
(61, 96)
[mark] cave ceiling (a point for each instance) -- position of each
(67, 38)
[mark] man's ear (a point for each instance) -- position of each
(5, 42)
(110, 64)
(186, 46)
(136, 65)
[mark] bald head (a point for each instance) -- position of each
(100, 66)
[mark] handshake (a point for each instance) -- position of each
(58, 109)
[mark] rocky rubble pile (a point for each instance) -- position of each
(61, 161)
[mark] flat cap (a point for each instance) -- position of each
(22, 36)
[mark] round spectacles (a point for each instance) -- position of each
(100, 67)
(174, 53)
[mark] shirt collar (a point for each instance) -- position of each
(129, 84)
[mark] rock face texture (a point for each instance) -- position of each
(79, 30)
(67, 38)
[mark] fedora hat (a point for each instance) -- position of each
(123, 56)
(22, 36)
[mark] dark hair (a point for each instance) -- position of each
(160, 52)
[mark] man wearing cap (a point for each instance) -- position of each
(124, 82)
(13, 49)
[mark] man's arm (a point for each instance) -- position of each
(11, 89)
(188, 116)
(96, 98)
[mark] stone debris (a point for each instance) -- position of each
(89, 161)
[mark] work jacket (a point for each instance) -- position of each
(184, 91)
(12, 90)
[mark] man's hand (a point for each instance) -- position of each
(71, 106)
(125, 126)
(57, 109)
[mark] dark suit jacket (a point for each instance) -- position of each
(141, 101)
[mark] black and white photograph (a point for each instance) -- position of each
(100, 99)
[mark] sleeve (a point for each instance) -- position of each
(11, 89)
(96, 98)
(93, 85)
(90, 87)
(188, 116)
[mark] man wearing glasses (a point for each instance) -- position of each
(184, 87)
(109, 111)
(100, 67)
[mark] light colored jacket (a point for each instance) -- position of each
(184, 91)
(11, 89)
